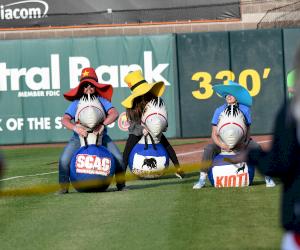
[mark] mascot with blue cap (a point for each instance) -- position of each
(230, 134)
(147, 150)
(90, 158)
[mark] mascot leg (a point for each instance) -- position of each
(172, 154)
(164, 141)
(254, 145)
(201, 182)
(120, 169)
(64, 164)
(130, 143)
(210, 152)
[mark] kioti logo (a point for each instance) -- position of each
(29, 9)
(238, 180)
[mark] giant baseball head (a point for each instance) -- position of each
(155, 117)
(90, 112)
(231, 126)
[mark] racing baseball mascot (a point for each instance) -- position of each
(232, 130)
(147, 150)
(92, 165)
(90, 158)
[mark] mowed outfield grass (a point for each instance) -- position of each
(154, 214)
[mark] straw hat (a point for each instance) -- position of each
(238, 91)
(139, 86)
(88, 75)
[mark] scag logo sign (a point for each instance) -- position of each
(92, 164)
(29, 9)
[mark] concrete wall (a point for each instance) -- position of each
(252, 12)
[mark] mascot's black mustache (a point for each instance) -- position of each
(93, 96)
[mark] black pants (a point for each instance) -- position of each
(133, 140)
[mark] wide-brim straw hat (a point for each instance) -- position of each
(88, 75)
(240, 93)
(139, 86)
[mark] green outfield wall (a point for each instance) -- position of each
(291, 43)
(253, 58)
(201, 57)
(257, 62)
(34, 74)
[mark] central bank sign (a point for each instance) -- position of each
(28, 9)
(46, 81)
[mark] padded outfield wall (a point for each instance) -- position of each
(252, 58)
(35, 73)
(256, 59)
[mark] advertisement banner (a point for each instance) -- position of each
(43, 13)
(36, 73)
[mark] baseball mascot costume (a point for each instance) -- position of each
(232, 130)
(86, 160)
(92, 165)
(147, 150)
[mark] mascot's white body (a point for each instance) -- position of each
(91, 163)
(149, 158)
(232, 126)
(155, 119)
(232, 130)
(90, 114)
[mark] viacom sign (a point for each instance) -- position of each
(46, 81)
(29, 9)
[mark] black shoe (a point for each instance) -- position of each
(62, 191)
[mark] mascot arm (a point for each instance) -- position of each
(216, 139)
(135, 128)
(247, 138)
(98, 129)
(145, 131)
(242, 145)
(67, 122)
(112, 115)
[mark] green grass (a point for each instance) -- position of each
(154, 214)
